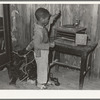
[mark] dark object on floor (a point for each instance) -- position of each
(55, 80)
(23, 52)
(23, 66)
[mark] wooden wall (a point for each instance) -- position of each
(70, 13)
(96, 61)
(88, 14)
(22, 24)
(1, 11)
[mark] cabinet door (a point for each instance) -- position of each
(5, 34)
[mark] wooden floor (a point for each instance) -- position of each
(69, 80)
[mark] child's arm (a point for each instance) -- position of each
(53, 18)
(38, 43)
(30, 46)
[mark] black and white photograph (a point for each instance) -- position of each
(49, 46)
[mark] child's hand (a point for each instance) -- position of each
(58, 12)
(52, 44)
(54, 17)
(23, 52)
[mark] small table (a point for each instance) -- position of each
(85, 52)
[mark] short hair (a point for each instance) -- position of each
(42, 13)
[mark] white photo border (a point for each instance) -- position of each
(50, 94)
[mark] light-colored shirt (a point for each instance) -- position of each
(40, 38)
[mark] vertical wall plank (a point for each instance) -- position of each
(1, 10)
(94, 22)
(96, 67)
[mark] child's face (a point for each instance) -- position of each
(45, 21)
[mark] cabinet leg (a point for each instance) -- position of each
(90, 61)
(81, 81)
(82, 71)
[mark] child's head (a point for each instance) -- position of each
(42, 15)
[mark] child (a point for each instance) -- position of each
(41, 44)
